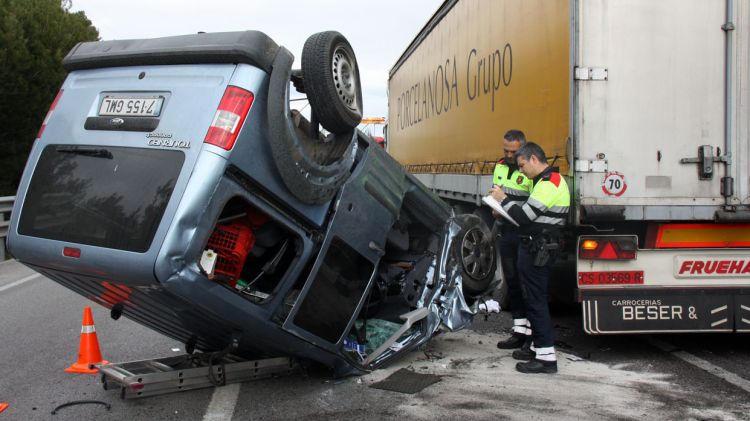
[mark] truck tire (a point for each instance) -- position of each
(312, 170)
(331, 78)
(474, 250)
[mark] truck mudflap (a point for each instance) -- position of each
(663, 310)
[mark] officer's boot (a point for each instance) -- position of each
(518, 336)
(525, 353)
(544, 362)
(516, 340)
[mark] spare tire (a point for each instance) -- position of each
(331, 78)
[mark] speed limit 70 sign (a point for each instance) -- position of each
(614, 184)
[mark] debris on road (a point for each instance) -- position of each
(406, 381)
(83, 402)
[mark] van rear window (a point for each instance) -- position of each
(110, 197)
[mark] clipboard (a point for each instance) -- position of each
(497, 207)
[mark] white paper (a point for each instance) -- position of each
(497, 207)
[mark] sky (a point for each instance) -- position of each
(379, 31)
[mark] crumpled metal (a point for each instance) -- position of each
(448, 311)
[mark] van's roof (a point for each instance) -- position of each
(251, 47)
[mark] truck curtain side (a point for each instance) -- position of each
(642, 104)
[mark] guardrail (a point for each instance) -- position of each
(6, 205)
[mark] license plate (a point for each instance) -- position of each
(631, 277)
(131, 106)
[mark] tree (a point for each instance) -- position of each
(35, 35)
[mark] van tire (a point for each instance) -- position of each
(474, 250)
(312, 169)
(332, 84)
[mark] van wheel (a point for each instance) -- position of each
(313, 169)
(331, 78)
(474, 249)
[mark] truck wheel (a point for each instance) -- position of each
(474, 249)
(331, 78)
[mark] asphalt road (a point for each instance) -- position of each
(700, 377)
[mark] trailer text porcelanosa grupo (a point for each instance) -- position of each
(642, 104)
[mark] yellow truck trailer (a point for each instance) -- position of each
(644, 106)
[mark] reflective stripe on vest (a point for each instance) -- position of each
(548, 203)
(515, 185)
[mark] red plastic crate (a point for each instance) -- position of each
(231, 243)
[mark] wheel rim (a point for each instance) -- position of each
(476, 254)
(345, 78)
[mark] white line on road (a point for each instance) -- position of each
(222, 403)
(703, 364)
(19, 282)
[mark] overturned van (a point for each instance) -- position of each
(172, 183)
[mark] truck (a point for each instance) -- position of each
(642, 105)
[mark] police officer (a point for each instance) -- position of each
(541, 218)
(516, 187)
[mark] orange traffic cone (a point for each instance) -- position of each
(3, 406)
(88, 350)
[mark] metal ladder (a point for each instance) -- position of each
(139, 379)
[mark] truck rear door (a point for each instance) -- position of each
(650, 108)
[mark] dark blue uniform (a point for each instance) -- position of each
(544, 213)
(517, 188)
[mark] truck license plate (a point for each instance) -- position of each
(131, 106)
(629, 277)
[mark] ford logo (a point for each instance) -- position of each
(117, 122)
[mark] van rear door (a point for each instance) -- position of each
(112, 164)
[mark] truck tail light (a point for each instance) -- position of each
(734, 235)
(608, 247)
(229, 117)
(49, 113)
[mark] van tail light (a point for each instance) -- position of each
(229, 117)
(49, 113)
(608, 247)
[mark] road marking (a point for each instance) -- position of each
(703, 364)
(222, 403)
(19, 282)
(7, 261)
